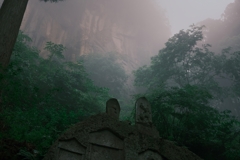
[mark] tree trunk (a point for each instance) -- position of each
(11, 15)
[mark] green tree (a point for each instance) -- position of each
(184, 116)
(232, 67)
(221, 34)
(106, 71)
(184, 61)
(45, 96)
(182, 83)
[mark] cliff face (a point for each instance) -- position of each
(137, 28)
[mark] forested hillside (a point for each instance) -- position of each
(221, 34)
(183, 87)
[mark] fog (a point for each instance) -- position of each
(71, 57)
(182, 13)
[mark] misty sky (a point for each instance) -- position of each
(182, 13)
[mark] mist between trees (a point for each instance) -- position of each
(193, 88)
(44, 96)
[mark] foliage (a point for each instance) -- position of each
(55, 50)
(182, 82)
(106, 71)
(182, 62)
(232, 67)
(42, 97)
(183, 115)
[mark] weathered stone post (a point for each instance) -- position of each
(113, 108)
(144, 118)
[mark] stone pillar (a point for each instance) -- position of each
(113, 108)
(144, 118)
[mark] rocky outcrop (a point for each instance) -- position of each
(137, 28)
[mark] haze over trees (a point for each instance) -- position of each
(182, 86)
(42, 95)
(224, 32)
(221, 34)
(106, 71)
(11, 16)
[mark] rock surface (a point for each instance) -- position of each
(137, 28)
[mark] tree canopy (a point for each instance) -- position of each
(44, 96)
(183, 83)
(106, 71)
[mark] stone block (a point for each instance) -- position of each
(106, 138)
(71, 150)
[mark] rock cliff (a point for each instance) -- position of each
(136, 28)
